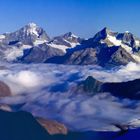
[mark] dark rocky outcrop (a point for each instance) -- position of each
(23, 126)
(130, 89)
(20, 126)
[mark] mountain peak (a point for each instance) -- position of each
(106, 31)
(31, 28)
(69, 34)
(32, 25)
(31, 34)
(127, 32)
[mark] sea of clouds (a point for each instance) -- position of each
(46, 90)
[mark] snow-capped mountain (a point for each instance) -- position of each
(106, 48)
(66, 41)
(100, 55)
(29, 34)
(31, 44)
(126, 40)
(28, 42)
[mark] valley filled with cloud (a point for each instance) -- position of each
(49, 91)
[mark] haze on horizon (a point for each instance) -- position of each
(82, 17)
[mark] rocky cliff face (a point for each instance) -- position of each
(53, 127)
(128, 89)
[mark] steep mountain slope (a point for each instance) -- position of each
(106, 48)
(30, 34)
(27, 45)
(12, 128)
(128, 89)
(23, 126)
(39, 54)
(31, 44)
(126, 40)
(95, 54)
(66, 41)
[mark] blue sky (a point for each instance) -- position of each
(83, 17)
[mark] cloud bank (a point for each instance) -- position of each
(44, 90)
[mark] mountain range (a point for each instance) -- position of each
(49, 101)
(31, 44)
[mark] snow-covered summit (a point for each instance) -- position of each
(32, 24)
(70, 35)
(65, 41)
(28, 34)
(33, 42)
(31, 28)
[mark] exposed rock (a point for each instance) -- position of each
(121, 57)
(39, 54)
(23, 126)
(20, 126)
(92, 85)
(123, 128)
(94, 54)
(130, 89)
(67, 39)
(31, 44)
(53, 127)
(4, 90)
(27, 35)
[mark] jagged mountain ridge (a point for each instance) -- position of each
(129, 89)
(28, 35)
(106, 48)
(31, 44)
(66, 41)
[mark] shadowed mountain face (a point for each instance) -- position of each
(106, 48)
(39, 54)
(31, 44)
(100, 111)
(22, 126)
(130, 89)
(69, 39)
(97, 55)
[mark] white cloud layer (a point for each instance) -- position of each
(46, 91)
